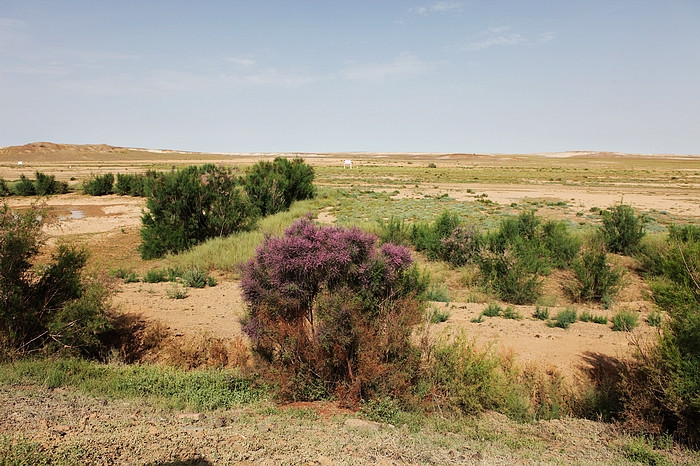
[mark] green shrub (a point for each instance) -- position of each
(684, 233)
(594, 278)
(622, 230)
(50, 308)
(541, 313)
(564, 319)
(439, 315)
(437, 292)
(24, 187)
(586, 316)
(625, 321)
(510, 313)
(654, 319)
(191, 205)
(45, 185)
(394, 231)
(131, 277)
(510, 276)
(99, 185)
(273, 186)
(155, 276)
(176, 292)
(469, 380)
(428, 237)
(4, 189)
(194, 278)
(492, 310)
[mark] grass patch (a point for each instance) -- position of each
(438, 293)
(625, 321)
(492, 310)
(439, 315)
(510, 313)
(541, 313)
(167, 386)
(654, 319)
(227, 253)
(564, 319)
(155, 276)
(586, 316)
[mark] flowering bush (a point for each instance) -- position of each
(331, 313)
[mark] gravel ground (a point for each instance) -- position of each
(71, 428)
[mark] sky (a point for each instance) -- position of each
(472, 76)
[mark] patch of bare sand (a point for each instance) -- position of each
(675, 200)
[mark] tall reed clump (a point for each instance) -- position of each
(331, 313)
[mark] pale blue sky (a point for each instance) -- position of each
(313, 76)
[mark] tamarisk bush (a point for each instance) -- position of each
(331, 313)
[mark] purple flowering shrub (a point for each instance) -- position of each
(331, 313)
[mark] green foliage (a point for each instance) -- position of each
(564, 318)
(45, 185)
(510, 313)
(541, 313)
(654, 319)
(194, 278)
(586, 316)
(394, 231)
(191, 205)
(176, 292)
(24, 187)
(438, 316)
(622, 230)
(492, 310)
(273, 186)
(595, 279)
(428, 237)
(49, 308)
(131, 277)
(155, 276)
(437, 292)
(637, 449)
(471, 380)
(625, 321)
(99, 185)
(510, 276)
(136, 184)
(522, 250)
(4, 188)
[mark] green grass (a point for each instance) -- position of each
(564, 319)
(654, 319)
(227, 253)
(437, 292)
(167, 386)
(439, 315)
(625, 321)
(586, 316)
(541, 313)
(492, 310)
(510, 313)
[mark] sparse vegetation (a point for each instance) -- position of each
(564, 318)
(625, 321)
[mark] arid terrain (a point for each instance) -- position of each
(667, 187)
